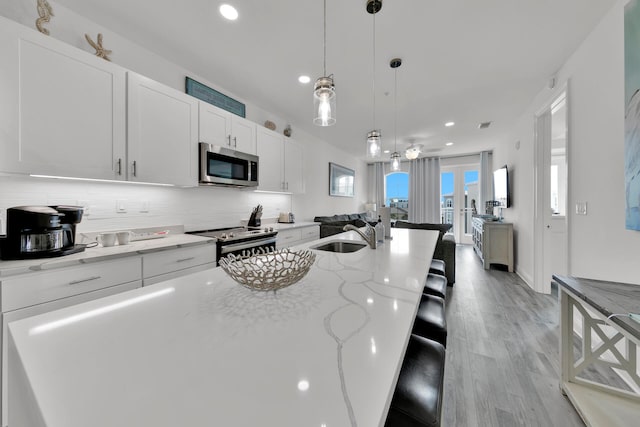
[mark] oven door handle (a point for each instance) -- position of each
(232, 247)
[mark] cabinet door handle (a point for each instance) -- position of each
(235, 142)
(185, 259)
(75, 282)
(287, 185)
(134, 168)
(229, 138)
(120, 166)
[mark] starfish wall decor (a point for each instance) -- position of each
(101, 52)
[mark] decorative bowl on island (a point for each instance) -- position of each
(268, 270)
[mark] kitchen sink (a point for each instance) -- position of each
(341, 246)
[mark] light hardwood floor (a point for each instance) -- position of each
(502, 366)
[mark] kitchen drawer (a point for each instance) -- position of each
(157, 263)
(167, 276)
(44, 286)
(310, 233)
(287, 238)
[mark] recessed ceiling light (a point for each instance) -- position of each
(386, 151)
(448, 144)
(449, 124)
(228, 12)
(304, 79)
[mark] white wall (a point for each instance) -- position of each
(197, 207)
(599, 245)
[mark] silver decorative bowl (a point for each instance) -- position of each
(268, 270)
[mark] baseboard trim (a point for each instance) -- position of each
(528, 280)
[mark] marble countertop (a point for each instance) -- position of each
(99, 253)
(202, 350)
(608, 298)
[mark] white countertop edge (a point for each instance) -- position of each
(98, 254)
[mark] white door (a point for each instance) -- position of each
(62, 110)
(293, 164)
(271, 171)
(243, 135)
(163, 133)
(551, 254)
(459, 191)
(214, 124)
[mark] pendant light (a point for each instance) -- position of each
(413, 151)
(374, 137)
(395, 156)
(324, 91)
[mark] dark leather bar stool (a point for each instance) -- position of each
(438, 266)
(417, 400)
(435, 285)
(430, 319)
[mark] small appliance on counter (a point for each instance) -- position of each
(286, 218)
(41, 232)
(254, 219)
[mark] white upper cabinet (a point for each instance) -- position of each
(271, 170)
(220, 127)
(293, 166)
(62, 110)
(281, 162)
(162, 133)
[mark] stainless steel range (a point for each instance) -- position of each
(240, 240)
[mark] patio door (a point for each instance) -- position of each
(459, 193)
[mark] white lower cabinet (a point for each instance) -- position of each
(40, 292)
(296, 236)
(160, 266)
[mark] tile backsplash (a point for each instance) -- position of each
(111, 206)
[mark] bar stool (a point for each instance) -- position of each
(430, 319)
(435, 285)
(417, 399)
(438, 266)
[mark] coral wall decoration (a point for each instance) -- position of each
(45, 13)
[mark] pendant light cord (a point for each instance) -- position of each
(395, 118)
(324, 44)
(374, 71)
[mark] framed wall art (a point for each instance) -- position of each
(341, 181)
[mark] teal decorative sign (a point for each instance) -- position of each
(213, 97)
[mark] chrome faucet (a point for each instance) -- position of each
(369, 234)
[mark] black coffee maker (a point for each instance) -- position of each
(40, 232)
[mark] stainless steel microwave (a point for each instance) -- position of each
(223, 166)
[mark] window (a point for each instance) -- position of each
(396, 194)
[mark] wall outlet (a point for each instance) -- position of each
(121, 206)
(581, 208)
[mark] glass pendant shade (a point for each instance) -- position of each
(374, 144)
(324, 102)
(395, 161)
(412, 152)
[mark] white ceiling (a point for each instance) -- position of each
(467, 61)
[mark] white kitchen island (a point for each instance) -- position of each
(202, 350)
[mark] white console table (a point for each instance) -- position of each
(598, 352)
(493, 242)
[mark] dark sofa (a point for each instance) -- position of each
(445, 248)
(330, 225)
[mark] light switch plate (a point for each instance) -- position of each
(581, 208)
(121, 206)
(145, 206)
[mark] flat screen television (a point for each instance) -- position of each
(501, 190)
